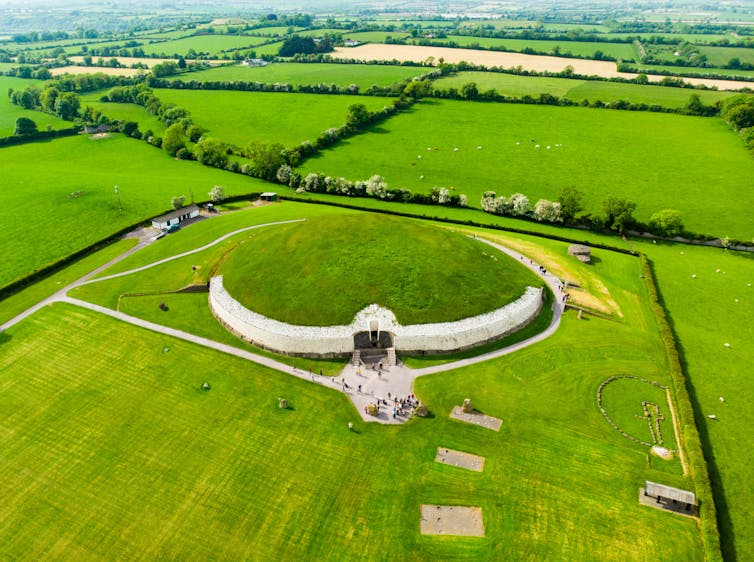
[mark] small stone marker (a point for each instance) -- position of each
(282, 403)
(467, 407)
(460, 459)
(476, 418)
(372, 409)
(421, 410)
(451, 520)
(206, 386)
(350, 426)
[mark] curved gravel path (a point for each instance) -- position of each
(362, 385)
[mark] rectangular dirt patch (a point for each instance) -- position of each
(460, 459)
(452, 520)
(477, 419)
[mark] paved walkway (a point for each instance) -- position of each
(362, 385)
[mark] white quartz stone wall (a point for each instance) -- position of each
(338, 340)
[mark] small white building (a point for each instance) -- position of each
(254, 62)
(350, 43)
(164, 222)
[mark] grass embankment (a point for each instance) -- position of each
(363, 75)
(322, 272)
(706, 312)
(242, 117)
(223, 461)
(672, 164)
(69, 202)
(578, 90)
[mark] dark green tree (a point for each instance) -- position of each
(25, 126)
(619, 213)
(570, 203)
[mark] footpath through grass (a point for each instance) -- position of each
(693, 164)
(132, 421)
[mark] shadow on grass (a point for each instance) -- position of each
(5, 338)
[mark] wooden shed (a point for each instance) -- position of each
(164, 222)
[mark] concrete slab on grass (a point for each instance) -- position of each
(460, 459)
(451, 520)
(477, 419)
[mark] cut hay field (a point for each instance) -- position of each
(696, 165)
(578, 90)
(363, 75)
(50, 223)
(207, 44)
(241, 117)
(9, 112)
(625, 51)
(707, 312)
(146, 446)
(539, 63)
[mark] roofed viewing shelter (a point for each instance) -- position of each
(670, 498)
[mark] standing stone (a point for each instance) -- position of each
(282, 403)
(467, 408)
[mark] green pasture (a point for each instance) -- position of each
(716, 56)
(694, 71)
(242, 117)
(363, 75)
(124, 112)
(228, 461)
(272, 272)
(210, 44)
(69, 202)
(374, 36)
(577, 90)
(273, 31)
(504, 23)
(9, 112)
(163, 35)
(672, 164)
(268, 48)
(708, 311)
(625, 51)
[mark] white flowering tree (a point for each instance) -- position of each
(311, 182)
(463, 201)
(519, 204)
(283, 174)
(217, 194)
(376, 186)
(547, 211)
(443, 196)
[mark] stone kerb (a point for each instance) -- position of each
(330, 341)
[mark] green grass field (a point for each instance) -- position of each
(625, 51)
(578, 90)
(694, 71)
(292, 73)
(374, 36)
(124, 112)
(672, 164)
(9, 112)
(209, 44)
(707, 312)
(48, 223)
(131, 422)
(272, 273)
(716, 56)
(241, 117)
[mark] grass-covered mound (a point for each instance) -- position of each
(322, 272)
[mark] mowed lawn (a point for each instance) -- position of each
(363, 75)
(578, 90)
(242, 117)
(123, 454)
(707, 312)
(58, 196)
(9, 112)
(693, 164)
